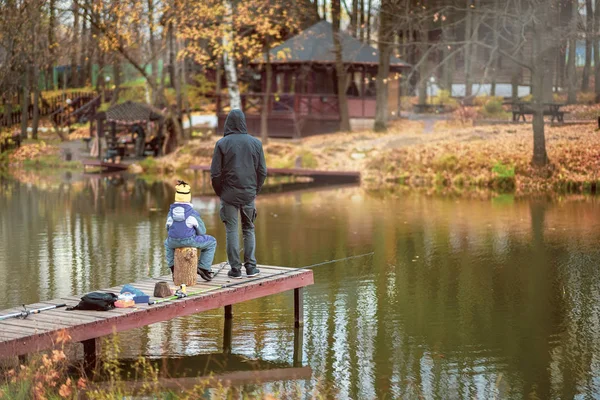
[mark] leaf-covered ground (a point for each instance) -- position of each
(494, 157)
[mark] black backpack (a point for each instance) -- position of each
(96, 301)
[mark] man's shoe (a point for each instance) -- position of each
(172, 268)
(235, 273)
(206, 275)
(252, 271)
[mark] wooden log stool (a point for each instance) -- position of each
(186, 265)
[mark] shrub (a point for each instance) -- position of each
(443, 97)
(493, 106)
(446, 162)
(586, 97)
(504, 179)
(308, 159)
(527, 99)
(149, 164)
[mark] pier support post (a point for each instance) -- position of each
(90, 360)
(298, 342)
(227, 328)
(227, 334)
(298, 307)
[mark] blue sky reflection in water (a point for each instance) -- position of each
(462, 299)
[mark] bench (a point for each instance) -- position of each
(427, 108)
(519, 110)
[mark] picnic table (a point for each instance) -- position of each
(520, 109)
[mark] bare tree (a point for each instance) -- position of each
(589, 32)
(597, 50)
(385, 38)
(571, 67)
(340, 69)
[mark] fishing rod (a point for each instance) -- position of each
(181, 295)
(296, 270)
(25, 313)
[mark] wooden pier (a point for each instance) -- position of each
(316, 175)
(105, 166)
(39, 332)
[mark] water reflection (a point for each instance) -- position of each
(462, 299)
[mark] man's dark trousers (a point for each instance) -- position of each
(229, 215)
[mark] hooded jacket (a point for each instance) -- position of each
(238, 168)
(184, 222)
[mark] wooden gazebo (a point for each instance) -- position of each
(304, 97)
(127, 115)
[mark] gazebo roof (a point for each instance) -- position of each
(132, 113)
(315, 45)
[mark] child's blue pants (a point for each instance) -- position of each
(205, 243)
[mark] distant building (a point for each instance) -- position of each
(304, 97)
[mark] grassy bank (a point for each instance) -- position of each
(495, 158)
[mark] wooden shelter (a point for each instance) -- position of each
(127, 115)
(304, 97)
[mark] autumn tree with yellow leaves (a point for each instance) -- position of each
(234, 34)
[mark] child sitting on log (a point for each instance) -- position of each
(186, 229)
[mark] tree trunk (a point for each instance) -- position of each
(385, 38)
(170, 42)
(495, 56)
(100, 79)
(354, 18)
(92, 49)
(74, 45)
(361, 22)
(264, 112)
(52, 45)
(25, 103)
(597, 51)
(571, 67)
(228, 60)
(324, 10)
(315, 4)
(84, 42)
(178, 88)
(7, 105)
(117, 77)
(186, 95)
(186, 266)
(339, 67)
(448, 37)
(368, 27)
(36, 94)
(467, 52)
(541, 76)
(153, 55)
(589, 33)
(540, 157)
(423, 61)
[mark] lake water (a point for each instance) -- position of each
(462, 298)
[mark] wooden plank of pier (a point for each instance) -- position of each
(337, 176)
(40, 331)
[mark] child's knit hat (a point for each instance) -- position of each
(183, 192)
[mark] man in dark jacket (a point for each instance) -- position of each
(238, 172)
